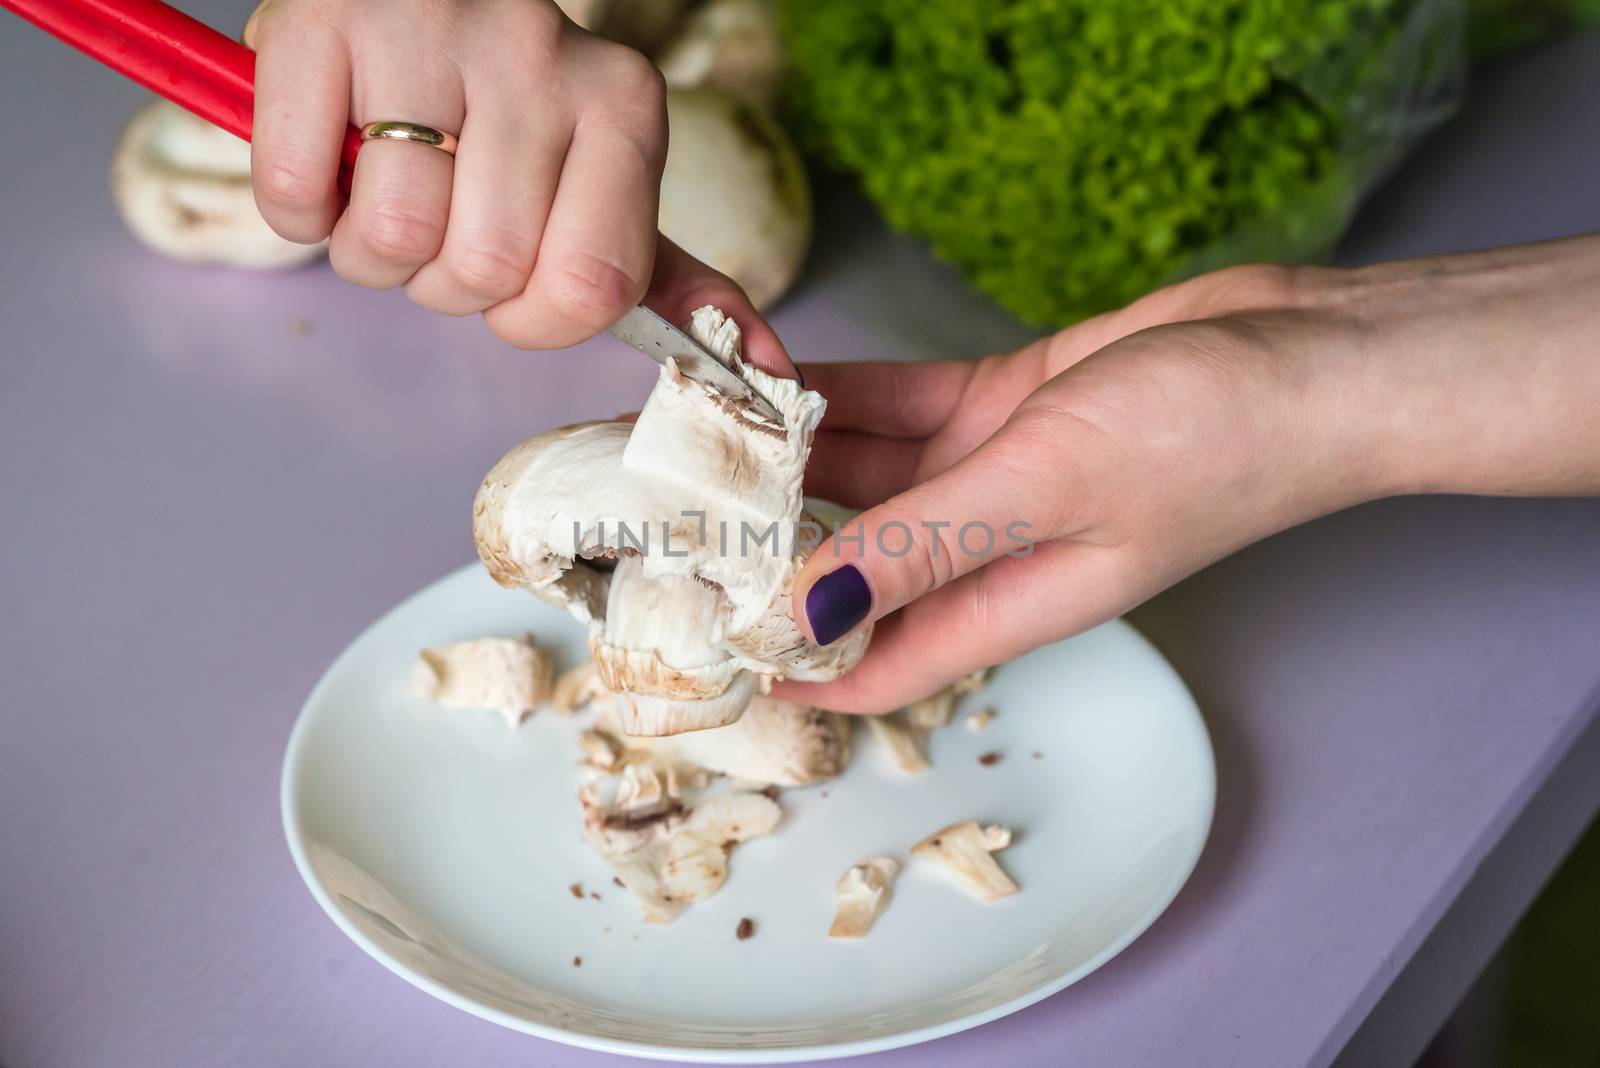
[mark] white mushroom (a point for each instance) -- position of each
(728, 44)
(861, 895)
(601, 749)
(933, 711)
(734, 192)
(963, 851)
(676, 539)
(902, 743)
(979, 720)
(509, 675)
(774, 742)
(183, 187)
(973, 681)
(577, 687)
(936, 710)
(670, 857)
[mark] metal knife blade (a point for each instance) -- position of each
(658, 339)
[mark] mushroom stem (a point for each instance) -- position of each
(861, 895)
(963, 851)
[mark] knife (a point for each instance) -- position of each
(213, 76)
(658, 339)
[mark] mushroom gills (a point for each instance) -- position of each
(775, 742)
(666, 854)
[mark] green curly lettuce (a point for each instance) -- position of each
(1070, 155)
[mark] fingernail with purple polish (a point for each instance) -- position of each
(836, 602)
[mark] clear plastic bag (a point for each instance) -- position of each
(1069, 155)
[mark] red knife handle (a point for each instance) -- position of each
(169, 53)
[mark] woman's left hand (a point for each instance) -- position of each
(1024, 498)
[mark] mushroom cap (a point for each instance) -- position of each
(734, 192)
(183, 187)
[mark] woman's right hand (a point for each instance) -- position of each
(1024, 498)
(545, 219)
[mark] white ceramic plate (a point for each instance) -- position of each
(444, 844)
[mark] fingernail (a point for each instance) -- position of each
(836, 602)
(799, 376)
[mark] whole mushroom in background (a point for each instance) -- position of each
(732, 45)
(183, 187)
(734, 193)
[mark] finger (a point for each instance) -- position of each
(302, 106)
(400, 193)
(506, 172)
(902, 400)
(988, 617)
(860, 470)
(1008, 494)
(680, 284)
(598, 245)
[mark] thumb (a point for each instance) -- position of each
(1000, 500)
(680, 284)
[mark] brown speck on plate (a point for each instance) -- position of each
(1038, 755)
(576, 890)
(989, 760)
(617, 881)
(595, 894)
(770, 793)
(577, 962)
(746, 929)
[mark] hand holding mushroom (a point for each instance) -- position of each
(675, 539)
(1023, 498)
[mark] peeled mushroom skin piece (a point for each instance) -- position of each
(577, 687)
(672, 858)
(979, 720)
(676, 540)
(903, 744)
(861, 895)
(600, 749)
(963, 851)
(734, 193)
(183, 187)
(933, 711)
(509, 675)
(973, 681)
(937, 709)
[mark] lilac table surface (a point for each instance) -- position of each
(210, 481)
